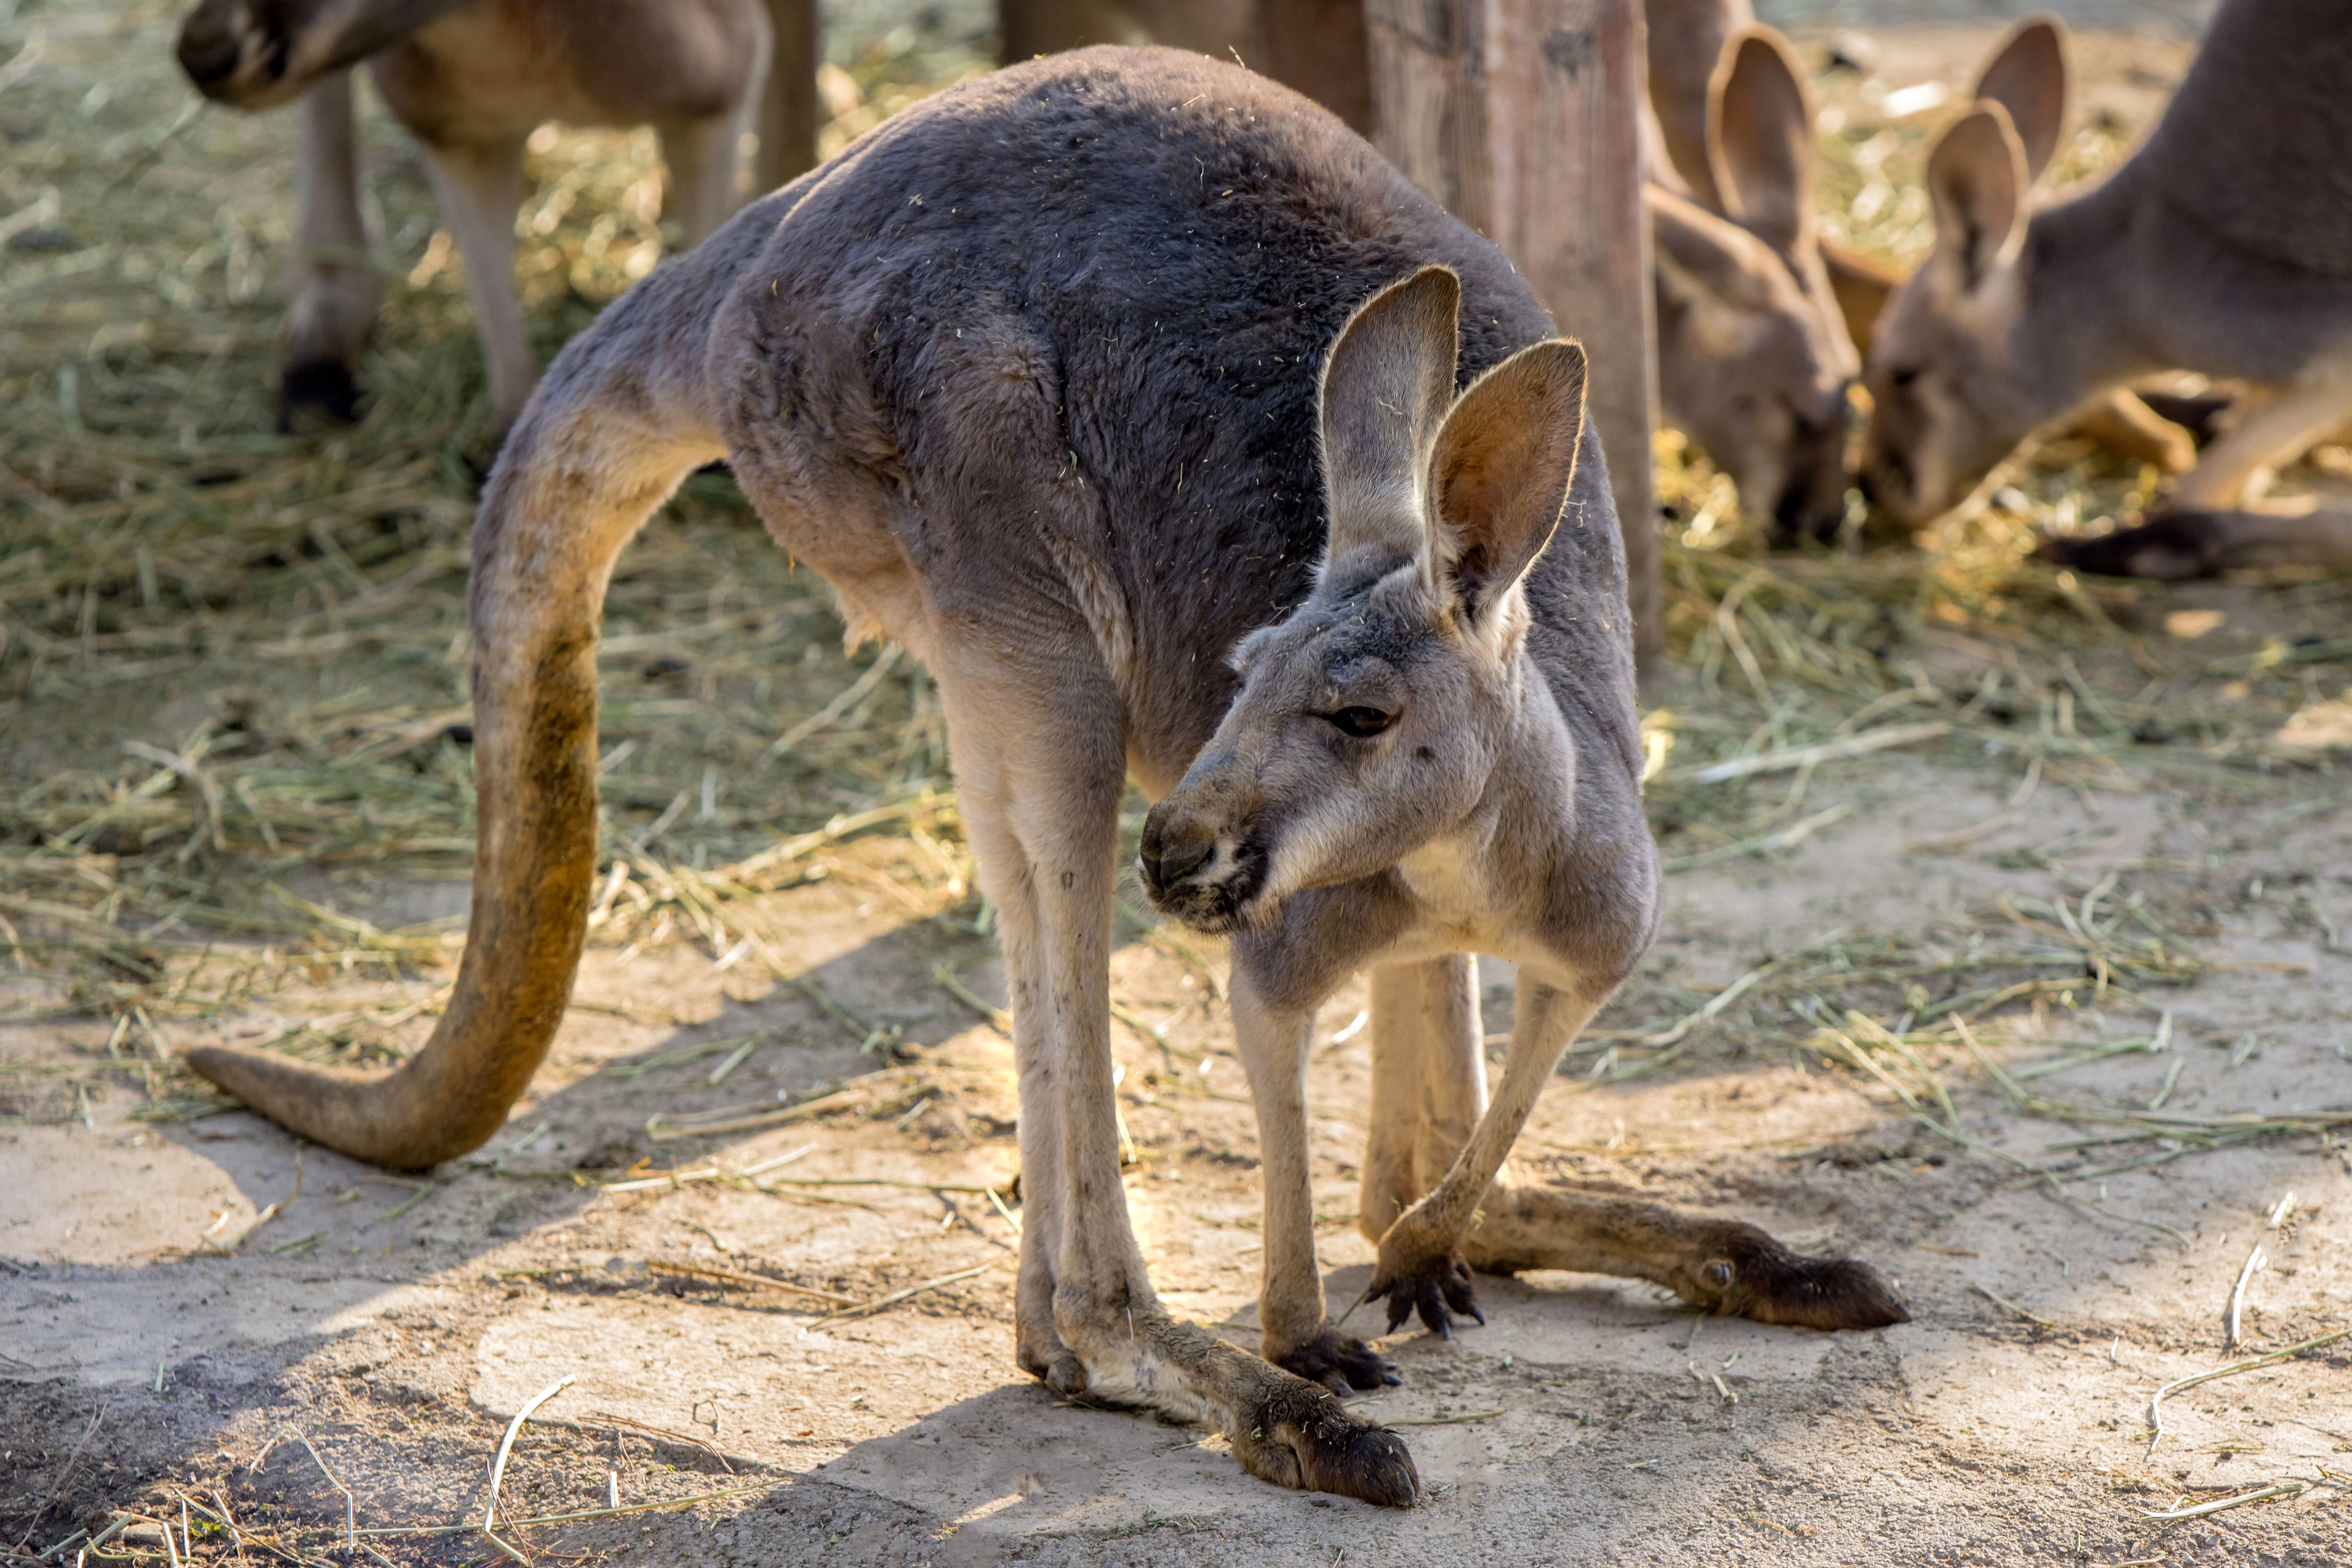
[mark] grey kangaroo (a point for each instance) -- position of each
(1028, 374)
(2224, 244)
(470, 80)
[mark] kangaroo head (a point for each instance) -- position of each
(1754, 357)
(1372, 718)
(1752, 367)
(256, 54)
(1951, 384)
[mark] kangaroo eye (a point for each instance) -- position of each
(1906, 375)
(1359, 722)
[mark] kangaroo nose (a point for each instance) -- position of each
(207, 54)
(1167, 864)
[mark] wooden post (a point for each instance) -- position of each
(1522, 115)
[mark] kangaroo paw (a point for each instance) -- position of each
(1300, 1436)
(1745, 1273)
(1339, 1362)
(1436, 1286)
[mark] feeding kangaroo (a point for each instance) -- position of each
(2223, 245)
(1754, 356)
(471, 80)
(1028, 374)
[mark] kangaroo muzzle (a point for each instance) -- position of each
(1192, 871)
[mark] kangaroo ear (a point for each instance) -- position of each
(2027, 76)
(1698, 253)
(1499, 478)
(1760, 135)
(1976, 174)
(1386, 383)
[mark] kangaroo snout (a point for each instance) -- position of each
(1193, 872)
(208, 51)
(1170, 861)
(229, 54)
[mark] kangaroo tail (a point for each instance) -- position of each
(624, 414)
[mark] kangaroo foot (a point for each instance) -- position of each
(1434, 1284)
(1743, 1272)
(1284, 1428)
(1725, 1266)
(2170, 547)
(316, 392)
(1050, 1363)
(1299, 1436)
(1339, 1362)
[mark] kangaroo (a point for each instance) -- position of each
(1754, 357)
(470, 80)
(2223, 245)
(1753, 362)
(1027, 373)
(2127, 423)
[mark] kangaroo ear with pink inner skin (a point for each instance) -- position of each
(1977, 180)
(2027, 77)
(1500, 475)
(1386, 383)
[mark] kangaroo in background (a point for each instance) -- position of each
(2149, 427)
(2223, 245)
(471, 80)
(1754, 356)
(1027, 373)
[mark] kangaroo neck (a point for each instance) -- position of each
(2082, 328)
(1475, 872)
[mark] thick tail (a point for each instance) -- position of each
(622, 417)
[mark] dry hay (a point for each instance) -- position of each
(232, 663)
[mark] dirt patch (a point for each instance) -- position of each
(792, 1342)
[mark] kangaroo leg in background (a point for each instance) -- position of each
(1274, 1044)
(334, 287)
(704, 156)
(984, 795)
(702, 160)
(2234, 469)
(787, 115)
(627, 391)
(480, 186)
(2125, 425)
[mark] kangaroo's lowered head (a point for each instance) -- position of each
(1372, 718)
(1954, 379)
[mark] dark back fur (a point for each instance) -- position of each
(1087, 296)
(2257, 144)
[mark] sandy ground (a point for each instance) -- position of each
(1590, 1421)
(174, 1295)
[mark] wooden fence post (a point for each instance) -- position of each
(1522, 117)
